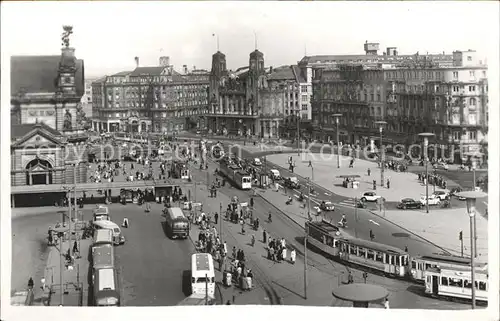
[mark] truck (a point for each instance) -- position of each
(236, 174)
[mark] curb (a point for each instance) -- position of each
(279, 210)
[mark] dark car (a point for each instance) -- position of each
(454, 192)
(409, 203)
(292, 182)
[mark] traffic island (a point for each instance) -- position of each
(360, 294)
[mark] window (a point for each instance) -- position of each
(378, 97)
(303, 88)
(469, 58)
(472, 101)
(472, 73)
(444, 281)
(379, 257)
(472, 121)
(456, 135)
(371, 97)
(361, 252)
(371, 255)
(482, 286)
(455, 74)
(304, 98)
(352, 250)
(304, 106)
(456, 88)
(484, 74)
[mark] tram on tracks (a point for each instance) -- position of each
(419, 265)
(383, 258)
(456, 283)
(104, 278)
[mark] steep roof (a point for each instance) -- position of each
(282, 73)
(38, 74)
(20, 130)
(299, 75)
(151, 71)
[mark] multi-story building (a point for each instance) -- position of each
(254, 100)
(157, 99)
(414, 97)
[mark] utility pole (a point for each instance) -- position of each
(461, 238)
(206, 289)
(472, 256)
(61, 280)
(75, 210)
(298, 135)
(305, 240)
(220, 220)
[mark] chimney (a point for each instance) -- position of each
(136, 62)
(185, 68)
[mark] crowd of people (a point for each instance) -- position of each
(434, 179)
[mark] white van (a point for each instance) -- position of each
(118, 238)
(202, 274)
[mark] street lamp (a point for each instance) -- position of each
(426, 145)
(381, 125)
(471, 210)
(337, 116)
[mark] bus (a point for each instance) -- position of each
(456, 283)
(419, 265)
(103, 257)
(177, 224)
(102, 237)
(105, 288)
(118, 237)
(202, 275)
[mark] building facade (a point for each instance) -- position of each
(253, 100)
(150, 99)
(451, 102)
(47, 139)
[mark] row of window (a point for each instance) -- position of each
(417, 74)
(461, 283)
(183, 113)
(137, 104)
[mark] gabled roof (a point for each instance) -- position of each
(21, 130)
(150, 71)
(38, 74)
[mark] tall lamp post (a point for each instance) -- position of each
(471, 197)
(381, 125)
(298, 134)
(337, 116)
(426, 136)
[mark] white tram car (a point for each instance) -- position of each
(384, 258)
(456, 283)
(419, 265)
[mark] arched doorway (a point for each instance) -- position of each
(39, 172)
(134, 126)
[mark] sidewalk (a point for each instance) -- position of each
(325, 172)
(281, 285)
(443, 226)
(71, 278)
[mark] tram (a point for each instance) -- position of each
(419, 265)
(456, 283)
(383, 258)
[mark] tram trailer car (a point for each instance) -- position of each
(419, 265)
(456, 283)
(235, 174)
(375, 256)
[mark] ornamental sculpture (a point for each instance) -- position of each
(68, 30)
(67, 120)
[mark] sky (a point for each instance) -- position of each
(108, 35)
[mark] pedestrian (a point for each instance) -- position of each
(216, 217)
(31, 283)
(234, 252)
(386, 303)
(75, 247)
(406, 248)
(292, 256)
(253, 240)
(350, 278)
(372, 236)
(264, 236)
(369, 172)
(388, 184)
(374, 185)
(43, 283)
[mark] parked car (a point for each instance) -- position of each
(454, 192)
(327, 206)
(441, 166)
(275, 174)
(433, 200)
(292, 182)
(370, 197)
(443, 195)
(407, 203)
(256, 162)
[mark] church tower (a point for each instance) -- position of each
(219, 70)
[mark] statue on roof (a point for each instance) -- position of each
(67, 120)
(68, 30)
